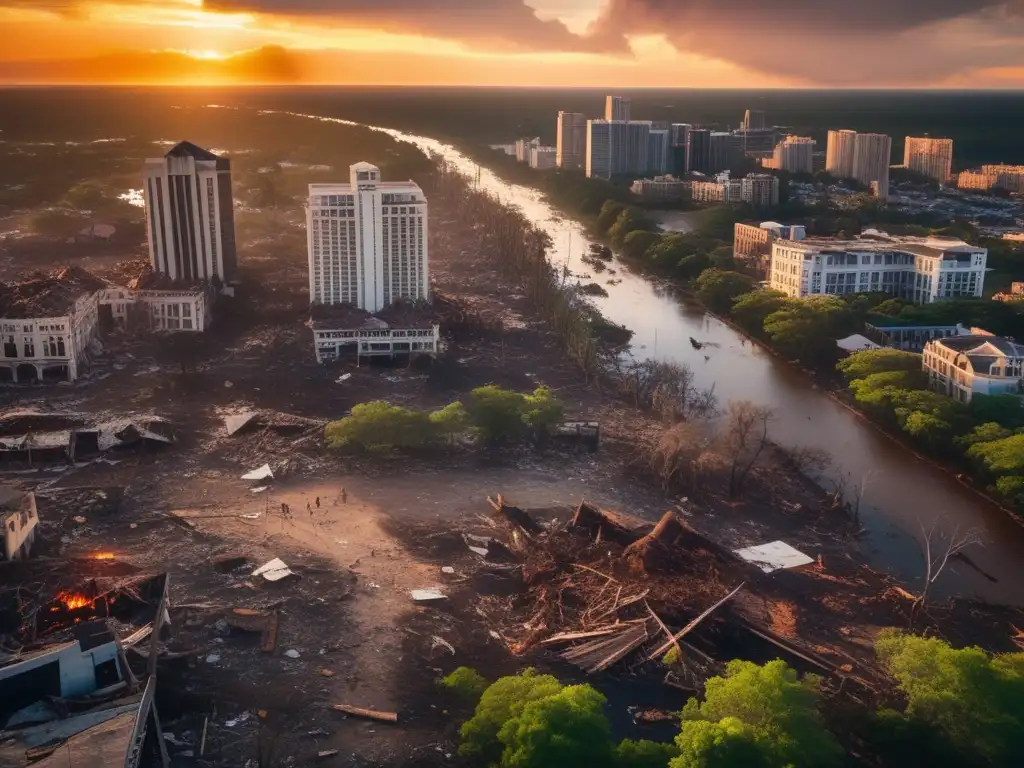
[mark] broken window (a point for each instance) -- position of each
(10, 348)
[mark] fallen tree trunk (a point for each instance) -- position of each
(372, 714)
(651, 552)
(514, 517)
(601, 525)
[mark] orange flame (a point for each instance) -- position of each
(103, 556)
(74, 600)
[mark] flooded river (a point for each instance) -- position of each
(900, 491)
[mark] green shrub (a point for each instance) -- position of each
(974, 699)
(763, 713)
(644, 754)
(377, 425)
(466, 683)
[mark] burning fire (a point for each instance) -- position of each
(73, 600)
(103, 556)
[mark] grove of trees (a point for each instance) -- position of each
(946, 707)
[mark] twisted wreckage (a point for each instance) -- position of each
(601, 591)
(79, 642)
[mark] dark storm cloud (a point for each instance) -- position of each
(832, 41)
(480, 22)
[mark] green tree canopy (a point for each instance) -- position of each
(779, 710)
(450, 421)
(466, 683)
(670, 249)
(638, 242)
(629, 220)
(609, 214)
(880, 390)
(983, 433)
(807, 328)
(497, 413)
(751, 309)
(861, 364)
(727, 743)
(378, 424)
(643, 754)
(568, 729)
(976, 700)
(718, 288)
(1002, 409)
(1001, 457)
(542, 411)
(503, 700)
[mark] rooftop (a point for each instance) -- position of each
(400, 314)
(980, 345)
(50, 294)
(188, 149)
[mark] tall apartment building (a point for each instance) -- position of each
(679, 148)
(700, 150)
(754, 120)
(617, 108)
(794, 154)
(571, 140)
(760, 190)
(542, 158)
(659, 156)
(872, 153)
(721, 190)
(726, 151)
(190, 217)
(524, 147)
(758, 141)
(367, 241)
(839, 153)
(617, 147)
(753, 242)
(932, 157)
(921, 270)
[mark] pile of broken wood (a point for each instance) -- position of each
(600, 591)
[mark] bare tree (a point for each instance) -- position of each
(667, 388)
(744, 439)
(806, 459)
(939, 547)
(676, 457)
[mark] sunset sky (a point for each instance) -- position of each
(687, 43)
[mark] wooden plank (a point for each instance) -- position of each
(270, 636)
(594, 570)
(636, 642)
(565, 637)
(666, 630)
(791, 649)
(372, 714)
(686, 630)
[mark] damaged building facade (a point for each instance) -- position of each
(161, 310)
(19, 519)
(47, 326)
(367, 246)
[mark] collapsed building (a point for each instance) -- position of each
(18, 518)
(77, 683)
(50, 323)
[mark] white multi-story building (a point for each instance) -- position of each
(794, 154)
(963, 366)
(921, 270)
(190, 216)
(617, 147)
(1009, 177)
(160, 310)
(524, 147)
(753, 242)
(367, 241)
(932, 157)
(542, 158)
(617, 108)
(661, 189)
(839, 153)
(871, 155)
(571, 141)
(721, 190)
(38, 347)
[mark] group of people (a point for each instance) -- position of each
(286, 510)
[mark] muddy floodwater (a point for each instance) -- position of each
(901, 492)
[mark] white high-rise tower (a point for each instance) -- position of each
(367, 241)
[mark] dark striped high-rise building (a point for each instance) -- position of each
(190, 215)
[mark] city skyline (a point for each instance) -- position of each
(969, 44)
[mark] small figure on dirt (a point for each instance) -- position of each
(284, 509)
(318, 502)
(344, 496)
(309, 508)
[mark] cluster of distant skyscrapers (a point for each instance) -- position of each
(618, 146)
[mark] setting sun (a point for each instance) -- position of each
(206, 55)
